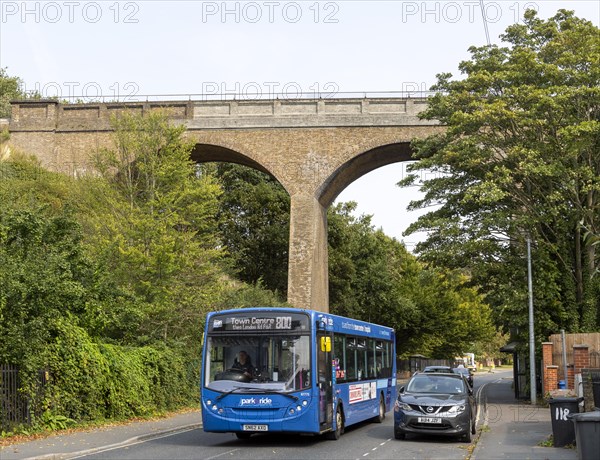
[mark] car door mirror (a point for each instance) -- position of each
(401, 390)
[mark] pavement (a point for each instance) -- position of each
(514, 429)
(75, 444)
(508, 429)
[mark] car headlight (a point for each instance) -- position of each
(455, 410)
(403, 406)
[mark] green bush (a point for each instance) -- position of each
(95, 381)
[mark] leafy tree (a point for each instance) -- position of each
(365, 270)
(10, 89)
(373, 277)
(43, 277)
(161, 244)
(520, 157)
(254, 213)
(489, 350)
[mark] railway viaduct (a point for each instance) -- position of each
(314, 147)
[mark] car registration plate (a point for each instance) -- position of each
(430, 420)
(255, 427)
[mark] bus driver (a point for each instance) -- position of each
(243, 363)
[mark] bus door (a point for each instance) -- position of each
(325, 379)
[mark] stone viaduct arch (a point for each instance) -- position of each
(314, 148)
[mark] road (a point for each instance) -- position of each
(365, 441)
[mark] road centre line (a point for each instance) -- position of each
(366, 454)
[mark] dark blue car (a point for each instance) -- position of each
(436, 403)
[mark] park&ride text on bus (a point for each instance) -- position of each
(293, 370)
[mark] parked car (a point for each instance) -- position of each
(435, 403)
(446, 369)
(466, 372)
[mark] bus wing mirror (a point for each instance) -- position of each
(326, 344)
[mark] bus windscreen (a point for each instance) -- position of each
(281, 359)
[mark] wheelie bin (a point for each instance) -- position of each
(587, 434)
(563, 430)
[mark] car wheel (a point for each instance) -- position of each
(468, 437)
(381, 416)
(339, 429)
(399, 435)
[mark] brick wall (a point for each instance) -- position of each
(581, 357)
(547, 349)
(570, 377)
(551, 378)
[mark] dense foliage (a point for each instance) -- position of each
(105, 281)
(254, 222)
(520, 158)
(10, 89)
(374, 277)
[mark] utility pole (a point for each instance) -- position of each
(531, 328)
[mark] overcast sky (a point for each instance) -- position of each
(136, 48)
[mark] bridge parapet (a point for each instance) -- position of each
(51, 115)
(299, 113)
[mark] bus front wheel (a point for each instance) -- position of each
(339, 425)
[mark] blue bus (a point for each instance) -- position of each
(291, 370)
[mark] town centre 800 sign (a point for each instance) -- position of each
(242, 322)
(253, 323)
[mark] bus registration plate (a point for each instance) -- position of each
(255, 427)
(430, 420)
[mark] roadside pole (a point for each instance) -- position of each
(531, 328)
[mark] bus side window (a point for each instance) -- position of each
(361, 358)
(351, 365)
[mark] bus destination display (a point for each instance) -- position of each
(244, 323)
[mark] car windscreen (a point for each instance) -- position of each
(437, 369)
(435, 384)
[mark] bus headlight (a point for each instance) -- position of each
(305, 403)
(208, 402)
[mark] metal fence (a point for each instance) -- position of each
(407, 367)
(247, 92)
(14, 408)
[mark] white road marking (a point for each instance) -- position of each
(127, 443)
